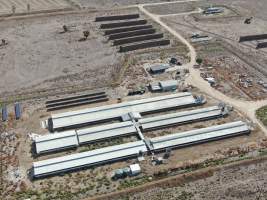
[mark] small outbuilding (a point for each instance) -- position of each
(163, 86)
(135, 169)
(155, 87)
(158, 69)
(169, 85)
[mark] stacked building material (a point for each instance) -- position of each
(135, 34)
(122, 24)
(73, 101)
(126, 29)
(137, 39)
(252, 37)
(144, 45)
(116, 17)
(131, 33)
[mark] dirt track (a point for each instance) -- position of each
(247, 108)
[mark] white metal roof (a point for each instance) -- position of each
(159, 67)
(53, 142)
(66, 139)
(117, 110)
(105, 131)
(135, 168)
(168, 83)
(180, 117)
(200, 135)
(89, 158)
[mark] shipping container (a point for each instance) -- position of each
(4, 114)
(17, 111)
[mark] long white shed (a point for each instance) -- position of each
(86, 159)
(103, 113)
(183, 117)
(200, 135)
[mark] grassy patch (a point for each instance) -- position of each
(133, 183)
(185, 196)
(261, 114)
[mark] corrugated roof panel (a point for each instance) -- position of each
(105, 131)
(168, 83)
(117, 110)
(200, 135)
(180, 117)
(90, 158)
(56, 141)
(108, 107)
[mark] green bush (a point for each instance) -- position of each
(199, 61)
(262, 115)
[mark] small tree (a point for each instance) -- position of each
(13, 9)
(86, 34)
(28, 7)
(3, 42)
(65, 28)
(199, 61)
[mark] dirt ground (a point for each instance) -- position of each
(100, 4)
(38, 54)
(239, 70)
(34, 6)
(49, 61)
(46, 59)
(234, 76)
(239, 182)
(97, 180)
(172, 8)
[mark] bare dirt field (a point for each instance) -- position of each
(49, 61)
(99, 4)
(172, 8)
(39, 54)
(6, 7)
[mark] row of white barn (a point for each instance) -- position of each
(75, 119)
(133, 149)
(89, 116)
(74, 138)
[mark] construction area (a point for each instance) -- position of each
(121, 100)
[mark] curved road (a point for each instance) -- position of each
(248, 108)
